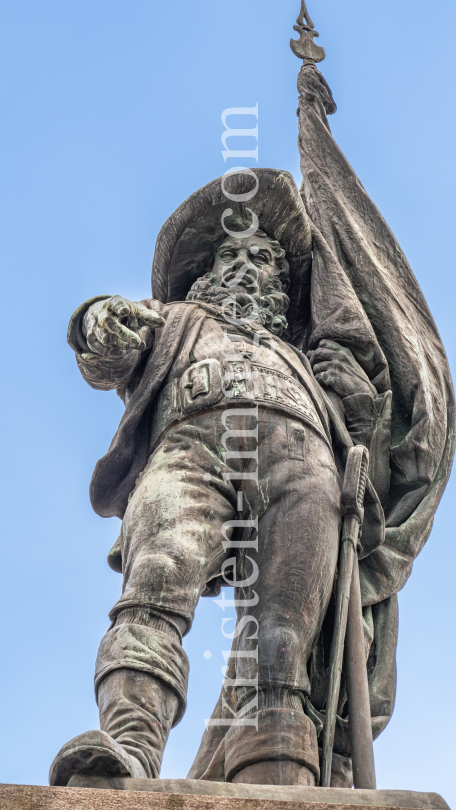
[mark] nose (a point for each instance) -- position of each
(241, 259)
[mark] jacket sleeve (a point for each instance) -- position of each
(106, 373)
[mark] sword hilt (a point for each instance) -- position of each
(355, 480)
(354, 488)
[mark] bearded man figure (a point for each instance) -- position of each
(245, 378)
(220, 371)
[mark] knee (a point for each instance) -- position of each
(280, 658)
(278, 640)
(157, 566)
(146, 570)
(166, 571)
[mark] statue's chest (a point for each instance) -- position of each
(218, 366)
(227, 344)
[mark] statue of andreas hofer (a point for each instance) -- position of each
(188, 372)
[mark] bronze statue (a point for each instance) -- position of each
(284, 327)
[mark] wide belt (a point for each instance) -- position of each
(211, 383)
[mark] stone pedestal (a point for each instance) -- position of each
(188, 794)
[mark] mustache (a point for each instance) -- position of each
(240, 296)
(247, 276)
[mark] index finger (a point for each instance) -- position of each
(330, 344)
(325, 354)
(336, 347)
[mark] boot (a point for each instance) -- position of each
(283, 751)
(137, 711)
(275, 772)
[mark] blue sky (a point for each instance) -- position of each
(111, 117)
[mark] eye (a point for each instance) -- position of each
(228, 254)
(261, 258)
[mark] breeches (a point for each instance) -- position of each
(276, 478)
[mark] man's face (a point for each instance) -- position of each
(246, 262)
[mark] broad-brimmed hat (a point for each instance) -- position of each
(188, 240)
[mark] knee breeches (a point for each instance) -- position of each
(273, 473)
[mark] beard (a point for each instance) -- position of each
(267, 309)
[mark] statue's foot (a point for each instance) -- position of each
(94, 753)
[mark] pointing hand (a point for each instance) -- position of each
(116, 325)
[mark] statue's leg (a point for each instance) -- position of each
(171, 546)
(298, 537)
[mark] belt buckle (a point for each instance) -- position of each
(201, 385)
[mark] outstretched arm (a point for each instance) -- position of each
(110, 335)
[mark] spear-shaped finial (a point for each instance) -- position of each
(305, 47)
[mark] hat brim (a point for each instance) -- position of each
(188, 240)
